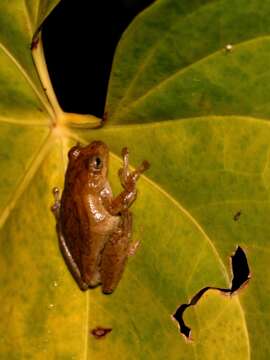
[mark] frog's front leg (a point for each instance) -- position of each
(128, 180)
(124, 172)
(73, 268)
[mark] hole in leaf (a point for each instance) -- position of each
(241, 275)
(240, 270)
(100, 332)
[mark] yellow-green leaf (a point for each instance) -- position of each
(199, 114)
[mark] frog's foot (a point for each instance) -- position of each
(133, 177)
(56, 206)
(82, 285)
(140, 169)
(133, 248)
(128, 179)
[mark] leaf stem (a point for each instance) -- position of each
(41, 66)
(84, 121)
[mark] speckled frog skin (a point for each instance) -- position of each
(94, 229)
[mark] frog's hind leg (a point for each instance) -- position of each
(127, 223)
(72, 266)
(115, 255)
(133, 248)
(127, 229)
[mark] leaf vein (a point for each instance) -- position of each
(8, 120)
(152, 50)
(27, 78)
(180, 72)
(29, 174)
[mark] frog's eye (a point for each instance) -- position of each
(96, 163)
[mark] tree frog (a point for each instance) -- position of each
(94, 228)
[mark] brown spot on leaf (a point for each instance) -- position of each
(236, 216)
(34, 43)
(241, 276)
(100, 332)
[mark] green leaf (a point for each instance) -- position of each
(176, 64)
(199, 115)
(19, 22)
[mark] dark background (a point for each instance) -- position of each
(79, 39)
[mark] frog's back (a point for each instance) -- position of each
(84, 222)
(73, 218)
(70, 226)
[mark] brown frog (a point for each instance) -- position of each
(94, 229)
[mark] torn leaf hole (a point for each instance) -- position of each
(241, 275)
(240, 270)
(100, 332)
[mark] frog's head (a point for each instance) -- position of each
(97, 155)
(91, 163)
